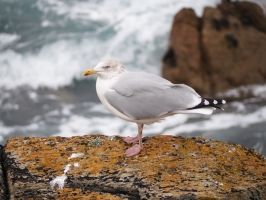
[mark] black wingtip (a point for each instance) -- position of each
(214, 102)
(207, 102)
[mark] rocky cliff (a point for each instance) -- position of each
(223, 49)
(95, 167)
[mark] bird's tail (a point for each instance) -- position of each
(207, 102)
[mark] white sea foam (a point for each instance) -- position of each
(7, 130)
(33, 96)
(68, 123)
(7, 39)
(79, 125)
(256, 90)
(53, 66)
(118, 25)
(174, 125)
(9, 106)
(99, 108)
(239, 106)
(116, 10)
(221, 121)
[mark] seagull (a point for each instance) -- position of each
(145, 98)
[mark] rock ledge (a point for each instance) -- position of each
(95, 167)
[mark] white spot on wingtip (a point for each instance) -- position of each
(206, 102)
(223, 101)
(76, 164)
(215, 102)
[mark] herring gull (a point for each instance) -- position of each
(145, 98)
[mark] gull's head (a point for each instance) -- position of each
(106, 69)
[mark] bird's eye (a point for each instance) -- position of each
(106, 67)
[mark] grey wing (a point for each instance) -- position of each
(144, 96)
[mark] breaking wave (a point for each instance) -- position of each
(62, 38)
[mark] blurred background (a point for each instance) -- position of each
(45, 45)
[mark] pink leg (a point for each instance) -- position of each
(137, 147)
(130, 140)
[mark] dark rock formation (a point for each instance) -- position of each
(95, 167)
(3, 195)
(182, 61)
(222, 50)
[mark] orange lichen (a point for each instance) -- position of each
(78, 194)
(172, 164)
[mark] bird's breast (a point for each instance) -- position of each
(102, 86)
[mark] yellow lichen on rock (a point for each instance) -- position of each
(78, 194)
(168, 166)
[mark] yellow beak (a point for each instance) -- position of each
(88, 72)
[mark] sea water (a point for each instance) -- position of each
(45, 45)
